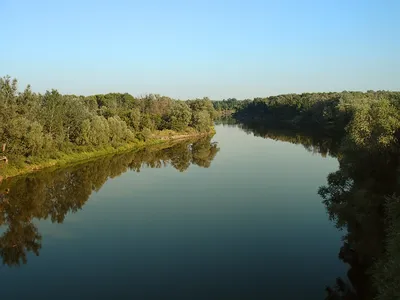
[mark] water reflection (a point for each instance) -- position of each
(312, 142)
(226, 121)
(355, 198)
(53, 194)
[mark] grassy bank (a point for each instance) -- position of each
(13, 169)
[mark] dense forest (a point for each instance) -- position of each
(370, 119)
(362, 130)
(35, 127)
(53, 194)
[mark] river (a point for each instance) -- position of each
(234, 217)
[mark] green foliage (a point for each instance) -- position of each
(201, 120)
(120, 133)
(231, 104)
(84, 138)
(328, 111)
(44, 125)
(75, 112)
(52, 115)
(367, 120)
(132, 118)
(99, 131)
(148, 122)
(146, 134)
(178, 117)
(375, 125)
(204, 104)
(35, 138)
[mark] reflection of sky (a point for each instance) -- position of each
(249, 224)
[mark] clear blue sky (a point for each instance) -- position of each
(192, 48)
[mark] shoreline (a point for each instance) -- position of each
(86, 156)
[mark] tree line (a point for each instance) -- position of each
(226, 107)
(230, 104)
(37, 126)
(370, 119)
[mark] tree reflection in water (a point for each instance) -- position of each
(53, 194)
(358, 200)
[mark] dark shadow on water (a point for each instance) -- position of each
(311, 141)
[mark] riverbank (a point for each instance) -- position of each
(65, 159)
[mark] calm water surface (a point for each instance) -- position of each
(240, 219)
